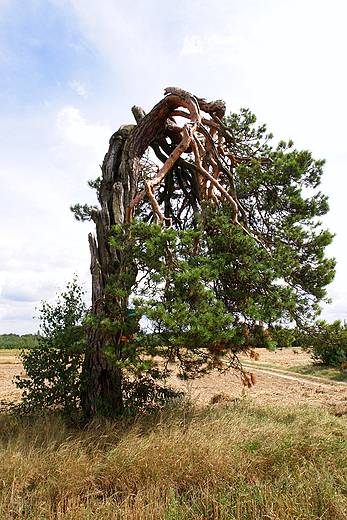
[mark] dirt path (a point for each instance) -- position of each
(272, 385)
(286, 374)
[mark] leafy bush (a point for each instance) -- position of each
(53, 365)
(329, 343)
(285, 337)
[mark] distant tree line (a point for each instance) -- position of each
(14, 341)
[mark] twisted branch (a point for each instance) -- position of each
(204, 185)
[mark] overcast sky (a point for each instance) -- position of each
(72, 69)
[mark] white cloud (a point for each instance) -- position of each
(73, 127)
(337, 310)
(19, 297)
(18, 317)
(27, 287)
(22, 294)
(192, 45)
(81, 91)
(223, 47)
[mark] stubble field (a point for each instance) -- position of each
(277, 382)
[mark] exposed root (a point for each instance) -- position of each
(209, 177)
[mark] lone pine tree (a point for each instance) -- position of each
(208, 232)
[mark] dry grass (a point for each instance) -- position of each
(225, 462)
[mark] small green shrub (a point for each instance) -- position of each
(285, 337)
(329, 343)
(53, 365)
(54, 377)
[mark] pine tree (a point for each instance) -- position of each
(206, 230)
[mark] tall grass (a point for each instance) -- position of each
(236, 462)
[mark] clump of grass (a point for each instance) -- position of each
(226, 462)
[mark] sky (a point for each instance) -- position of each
(70, 71)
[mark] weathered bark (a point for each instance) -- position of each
(103, 382)
(103, 386)
(118, 195)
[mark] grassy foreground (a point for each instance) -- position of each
(242, 462)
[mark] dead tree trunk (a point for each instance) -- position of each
(103, 381)
(118, 194)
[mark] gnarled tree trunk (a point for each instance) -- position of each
(103, 381)
(118, 194)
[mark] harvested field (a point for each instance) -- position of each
(272, 386)
(275, 384)
(10, 366)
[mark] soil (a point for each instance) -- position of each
(274, 384)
